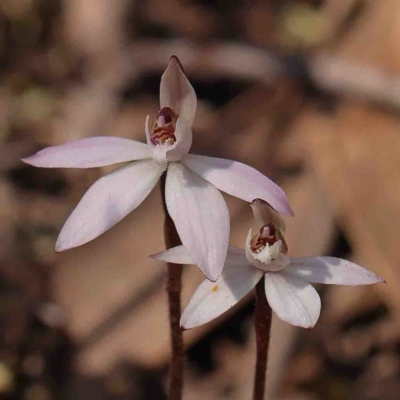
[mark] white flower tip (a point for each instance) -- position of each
(31, 160)
(62, 244)
(304, 325)
(61, 249)
(163, 258)
(212, 276)
(380, 279)
(190, 324)
(374, 278)
(175, 60)
(39, 159)
(285, 207)
(213, 271)
(259, 201)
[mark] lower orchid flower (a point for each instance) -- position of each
(192, 197)
(287, 279)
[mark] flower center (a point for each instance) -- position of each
(269, 234)
(164, 127)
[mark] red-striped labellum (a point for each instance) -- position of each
(164, 128)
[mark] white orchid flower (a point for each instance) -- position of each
(287, 280)
(193, 200)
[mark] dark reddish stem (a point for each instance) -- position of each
(174, 285)
(262, 323)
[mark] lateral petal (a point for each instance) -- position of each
(292, 299)
(107, 202)
(90, 152)
(179, 255)
(201, 218)
(174, 255)
(176, 92)
(211, 299)
(331, 270)
(239, 180)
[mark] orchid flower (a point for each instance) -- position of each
(287, 280)
(192, 197)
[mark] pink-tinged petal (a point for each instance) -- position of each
(89, 152)
(176, 92)
(175, 255)
(184, 138)
(211, 299)
(179, 255)
(264, 214)
(331, 270)
(292, 299)
(201, 218)
(239, 180)
(107, 202)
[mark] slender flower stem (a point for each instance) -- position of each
(262, 323)
(174, 284)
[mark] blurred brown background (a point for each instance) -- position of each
(306, 91)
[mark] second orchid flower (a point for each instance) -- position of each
(287, 279)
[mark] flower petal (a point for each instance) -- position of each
(184, 138)
(211, 299)
(331, 270)
(107, 202)
(175, 255)
(239, 180)
(201, 218)
(179, 255)
(176, 92)
(89, 152)
(292, 299)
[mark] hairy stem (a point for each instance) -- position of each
(174, 285)
(262, 323)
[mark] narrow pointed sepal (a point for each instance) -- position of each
(293, 300)
(90, 152)
(174, 255)
(201, 218)
(107, 202)
(331, 270)
(239, 180)
(211, 299)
